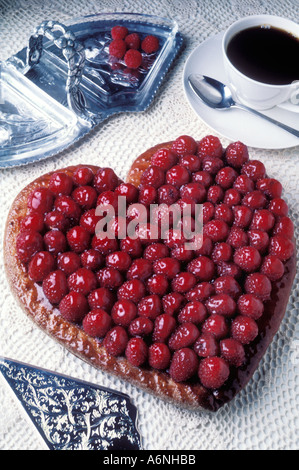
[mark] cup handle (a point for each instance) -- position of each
(292, 104)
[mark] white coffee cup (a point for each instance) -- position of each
(253, 93)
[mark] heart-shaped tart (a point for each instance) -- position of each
(189, 325)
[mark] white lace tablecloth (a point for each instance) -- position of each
(265, 415)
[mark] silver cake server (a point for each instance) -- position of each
(71, 414)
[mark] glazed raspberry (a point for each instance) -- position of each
(129, 191)
(164, 158)
(55, 286)
(210, 146)
(116, 341)
(61, 183)
(262, 220)
(119, 32)
(92, 259)
(159, 356)
(216, 325)
(55, 242)
(140, 269)
(232, 351)
(150, 307)
(133, 59)
(89, 220)
(194, 312)
(244, 329)
(184, 336)
(97, 323)
(85, 196)
(101, 298)
(150, 44)
(222, 252)
(73, 307)
(147, 195)
(229, 269)
(254, 169)
(117, 48)
(236, 154)
(212, 165)
(184, 364)
(200, 292)
(141, 326)
(271, 187)
(119, 260)
(248, 258)
(213, 372)
(132, 246)
(123, 312)
(163, 327)
(242, 216)
(259, 285)
(226, 177)
(227, 285)
(153, 176)
(216, 230)
(258, 239)
(40, 266)
(136, 351)
(33, 221)
(208, 211)
(104, 245)
(191, 162)
(168, 194)
(232, 197)
(177, 176)
(255, 200)
(67, 206)
(83, 176)
(41, 200)
(278, 207)
(285, 227)
(183, 282)
(172, 302)
(157, 284)
(57, 220)
(78, 239)
(203, 177)
(28, 243)
(133, 289)
(68, 262)
(193, 191)
(83, 280)
(250, 306)
(237, 237)
(206, 345)
(109, 277)
(182, 254)
(156, 251)
(170, 267)
(215, 194)
(133, 41)
(282, 247)
(243, 184)
(202, 267)
(105, 180)
(221, 304)
(225, 213)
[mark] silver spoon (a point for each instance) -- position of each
(218, 95)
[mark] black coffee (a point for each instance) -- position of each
(266, 54)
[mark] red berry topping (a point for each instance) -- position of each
(183, 282)
(33, 221)
(41, 200)
(177, 176)
(153, 176)
(97, 323)
(68, 262)
(28, 243)
(141, 326)
(83, 280)
(136, 351)
(78, 239)
(232, 351)
(206, 345)
(105, 180)
(92, 259)
(127, 190)
(250, 306)
(272, 267)
(150, 44)
(248, 258)
(163, 327)
(85, 196)
(172, 302)
(67, 206)
(57, 220)
(213, 372)
(83, 176)
(279, 207)
(194, 312)
(210, 146)
(271, 187)
(61, 183)
(221, 304)
(285, 227)
(55, 242)
(184, 336)
(164, 158)
(157, 284)
(117, 48)
(150, 306)
(216, 230)
(236, 154)
(40, 266)
(132, 41)
(159, 356)
(259, 285)
(73, 307)
(119, 260)
(110, 278)
(258, 239)
(184, 364)
(133, 59)
(191, 162)
(101, 298)
(55, 286)
(168, 194)
(133, 289)
(202, 267)
(116, 341)
(282, 247)
(262, 220)
(226, 177)
(216, 325)
(244, 329)
(255, 200)
(119, 32)
(254, 169)
(184, 145)
(123, 312)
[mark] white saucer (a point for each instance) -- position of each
(235, 124)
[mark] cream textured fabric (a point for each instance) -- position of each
(265, 415)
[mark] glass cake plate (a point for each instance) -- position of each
(64, 83)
